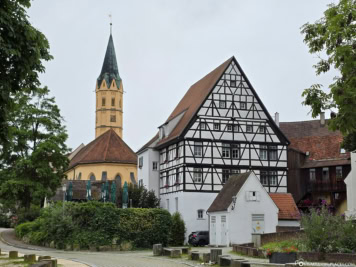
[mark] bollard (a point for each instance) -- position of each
(238, 262)
(52, 261)
(175, 253)
(13, 255)
(40, 258)
(157, 249)
(194, 255)
(214, 254)
(30, 258)
(206, 257)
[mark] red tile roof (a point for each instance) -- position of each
(106, 148)
(312, 137)
(287, 208)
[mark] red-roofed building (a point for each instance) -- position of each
(288, 215)
(317, 165)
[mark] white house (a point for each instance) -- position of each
(350, 182)
(288, 215)
(241, 208)
(219, 128)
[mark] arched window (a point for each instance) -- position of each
(92, 177)
(118, 180)
(79, 176)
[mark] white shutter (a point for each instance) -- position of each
(258, 196)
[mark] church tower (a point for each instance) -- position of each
(109, 95)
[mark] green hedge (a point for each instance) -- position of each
(97, 224)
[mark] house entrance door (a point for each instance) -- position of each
(223, 231)
(213, 230)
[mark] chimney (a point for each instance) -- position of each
(322, 118)
(276, 118)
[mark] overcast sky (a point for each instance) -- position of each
(163, 47)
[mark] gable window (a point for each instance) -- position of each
(262, 129)
(225, 150)
(203, 126)
(103, 101)
(225, 176)
(235, 151)
(200, 214)
(273, 155)
(236, 128)
(113, 102)
(249, 128)
(198, 175)
(112, 118)
(229, 127)
(198, 149)
(339, 172)
(252, 196)
(273, 180)
(243, 105)
(222, 104)
(154, 165)
(263, 152)
(312, 177)
(140, 162)
(232, 83)
(217, 126)
(326, 174)
(264, 178)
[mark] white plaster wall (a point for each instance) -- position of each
(146, 173)
(240, 219)
(351, 188)
(289, 223)
(188, 205)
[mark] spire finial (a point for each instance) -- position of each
(110, 16)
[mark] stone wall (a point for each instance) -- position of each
(280, 236)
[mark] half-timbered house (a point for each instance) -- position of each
(219, 128)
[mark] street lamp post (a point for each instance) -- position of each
(64, 187)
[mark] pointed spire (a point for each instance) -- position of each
(109, 70)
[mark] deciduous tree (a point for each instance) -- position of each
(335, 36)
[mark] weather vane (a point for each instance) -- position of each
(110, 16)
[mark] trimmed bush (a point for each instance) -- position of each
(94, 224)
(178, 230)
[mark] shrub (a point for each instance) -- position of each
(28, 215)
(97, 224)
(4, 221)
(177, 231)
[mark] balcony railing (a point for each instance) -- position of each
(326, 186)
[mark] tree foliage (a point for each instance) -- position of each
(335, 35)
(34, 161)
(178, 230)
(141, 197)
(22, 50)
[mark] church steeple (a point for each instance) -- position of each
(109, 94)
(109, 71)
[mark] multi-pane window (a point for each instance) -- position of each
(243, 105)
(167, 179)
(232, 83)
(140, 162)
(154, 165)
(264, 177)
(263, 152)
(103, 102)
(338, 172)
(273, 155)
(113, 101)
(203, 126)
(198, 175)
(273, 180)
(177, 176)
(234, 171)
(112, 118)
(236, 128)
(262, 129)
(225, 175)
(312, 177)
(217, 126)
(249, 128)
(235, 151)
(225, 150)
(229, 127)
(222, 104)
(198, 149)
(200, 214)
(326, 174)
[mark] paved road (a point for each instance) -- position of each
(102, 259)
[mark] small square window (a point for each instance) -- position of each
(112, 118)
(232, 83)
(236, 128)
(217, 126)
(249, 128)
(200, 214)
(243, 105)
(229, 127)
(262, 129)
(203, 126)
(222, 104)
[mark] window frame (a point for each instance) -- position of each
(249, 126)
(198, 175)
(235, 148)
(200, 212)
(103, 101)
(233, 83)
(338, 172)
(222, 103)
(216, 126)
(273, 178)
(154, 164)
(243, 105)
(226, 150)
(225, 175)
(112, 118)
(198, 149)
(263, 152)
(140, 162)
